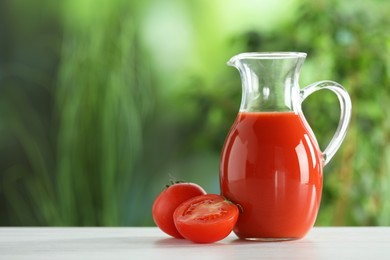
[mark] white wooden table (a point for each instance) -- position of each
(151, 243)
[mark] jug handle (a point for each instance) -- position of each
(345, 113)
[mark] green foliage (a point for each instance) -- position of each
(102, 98)
(101, 111)
(102, 103)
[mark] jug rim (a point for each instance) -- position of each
(266, 56)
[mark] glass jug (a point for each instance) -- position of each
(271, 164)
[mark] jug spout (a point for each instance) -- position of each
(269, 80)
(265, 56)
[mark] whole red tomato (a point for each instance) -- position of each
(206, 218)
(168, 200)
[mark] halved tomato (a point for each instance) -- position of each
(205, 218)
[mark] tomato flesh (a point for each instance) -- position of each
(206, 218)
(168, 200)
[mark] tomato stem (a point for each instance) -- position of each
(173, 180)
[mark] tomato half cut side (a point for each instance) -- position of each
(206, 218)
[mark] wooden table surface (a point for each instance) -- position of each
(150, 243)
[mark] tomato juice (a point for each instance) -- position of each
(271, 166)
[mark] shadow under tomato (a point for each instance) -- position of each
(264, 241)
(175, 242)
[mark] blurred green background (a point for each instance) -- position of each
(103, 102)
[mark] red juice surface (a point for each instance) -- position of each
(272, 166)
